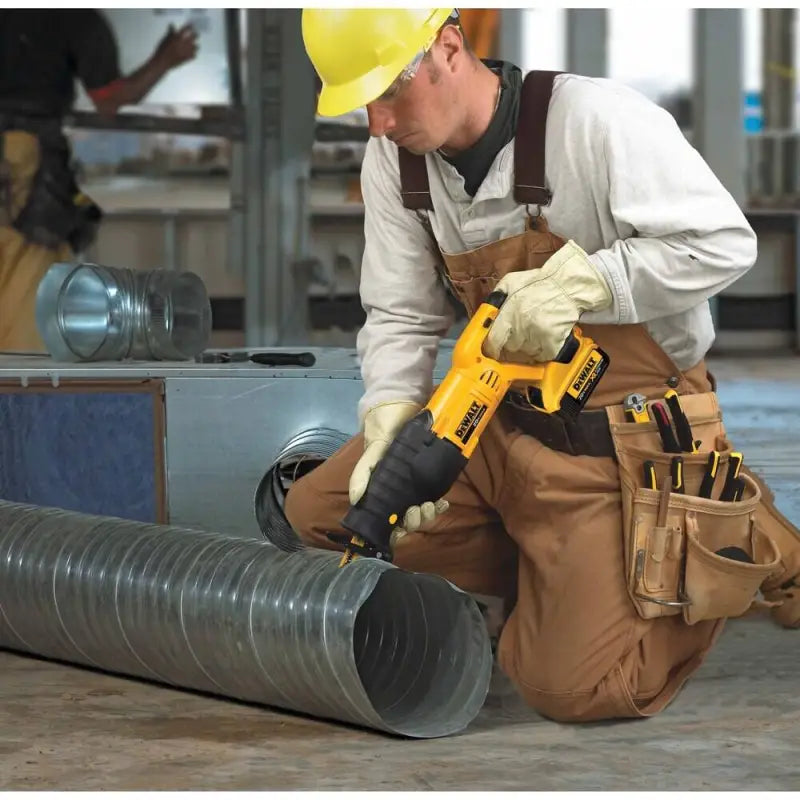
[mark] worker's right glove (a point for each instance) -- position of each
(381, 424)
(544, 304)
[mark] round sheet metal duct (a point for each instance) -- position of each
(368, 644)
(301, 454)
(90, 312)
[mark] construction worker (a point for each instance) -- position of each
(583, 202)
(43, 216)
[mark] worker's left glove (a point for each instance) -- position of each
(381, 424)
(417, 516)
(543, 306)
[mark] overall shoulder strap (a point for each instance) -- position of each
(529, 142)
(529, 183)
(414, 186)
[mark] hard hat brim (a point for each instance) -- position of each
(337, 100)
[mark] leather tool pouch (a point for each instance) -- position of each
(700, 557)
(56, 211)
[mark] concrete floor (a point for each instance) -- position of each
(735, 726)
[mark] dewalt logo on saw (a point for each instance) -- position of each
(470, 421)
(587, 376)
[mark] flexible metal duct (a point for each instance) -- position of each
(300, 454)
(367, 644)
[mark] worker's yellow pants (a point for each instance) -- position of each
(22, 264)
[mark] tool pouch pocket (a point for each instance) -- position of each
(699, 557)
(720, 579)
(57, 211)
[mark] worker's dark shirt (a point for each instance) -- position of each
(474, 164)
(42, 52)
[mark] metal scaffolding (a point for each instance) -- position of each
(587, 41)
(718, 132)
(279, 120)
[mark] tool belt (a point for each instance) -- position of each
(689, 549)
(586, 435)
(43, 126)
(56, 210)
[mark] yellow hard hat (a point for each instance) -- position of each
(358, 52)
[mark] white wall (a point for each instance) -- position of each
(198, 82)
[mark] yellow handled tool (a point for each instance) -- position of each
(432, 448)
(685, 437)
(730, 487)
(635, 406)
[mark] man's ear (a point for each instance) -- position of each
(452, 47)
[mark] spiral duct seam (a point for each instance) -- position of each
(368, 644)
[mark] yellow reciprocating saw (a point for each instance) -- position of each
(431, 449)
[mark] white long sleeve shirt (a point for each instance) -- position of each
(627, 187)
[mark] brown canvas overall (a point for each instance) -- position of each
(542, 526)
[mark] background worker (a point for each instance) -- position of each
(43, 216)
(626, 231)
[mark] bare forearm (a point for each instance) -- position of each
(176, 48)
(132, 88)
(137, 85)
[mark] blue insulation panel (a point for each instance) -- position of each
(93, 452)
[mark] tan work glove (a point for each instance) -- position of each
(543, 306)
(381, 424)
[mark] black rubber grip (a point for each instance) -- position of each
(418, 467)
(496, 298)
(284, 359)
(568, 349)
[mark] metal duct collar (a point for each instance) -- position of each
(367, 644)
(299, 455)
(88, 312)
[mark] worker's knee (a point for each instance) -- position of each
(543, 689)
(302, 507)
(558, 681)
(309, 513)
(609, 683)
(608, 699)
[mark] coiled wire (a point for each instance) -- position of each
(367, 644)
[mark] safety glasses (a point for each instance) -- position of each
(404, 78)
(409, 72)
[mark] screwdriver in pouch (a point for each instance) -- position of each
(650, 475)
(712, 465)
(728, 492)
(676, 473)
(682, 427)
(668, 441)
